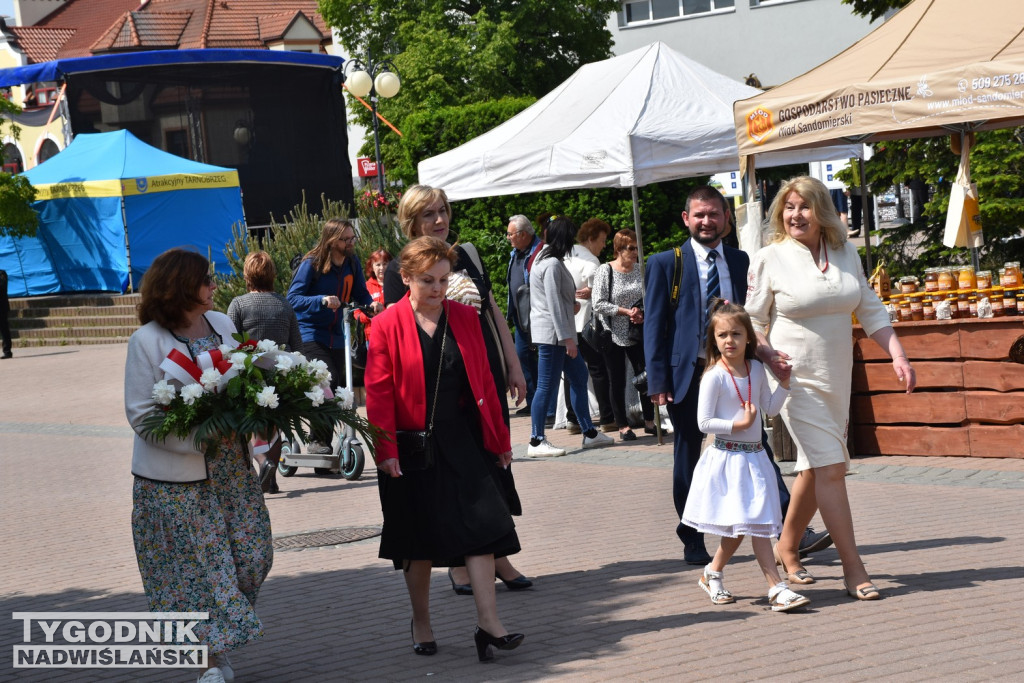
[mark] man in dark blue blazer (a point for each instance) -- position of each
(674, 345)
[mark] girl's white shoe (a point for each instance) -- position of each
(212, 675)
(782, 599)
(711, 583)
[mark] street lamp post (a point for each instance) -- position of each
(374, 79)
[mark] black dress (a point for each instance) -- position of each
(455, 508)
(395, 289)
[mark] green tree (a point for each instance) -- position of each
(875, 8)
(17, 217)
(457, 52)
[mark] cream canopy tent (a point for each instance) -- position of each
(935, 67)
(647, 116)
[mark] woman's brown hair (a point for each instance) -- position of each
(724, 309)
(170, 287)
(591, 228)
(259, 272)
(423, 253)
(623, 238)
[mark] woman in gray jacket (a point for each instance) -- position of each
(553, 330)
(201, 529)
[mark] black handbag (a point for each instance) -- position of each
(415, 448)
(636, 332)
(596, 334)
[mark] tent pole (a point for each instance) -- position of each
(864, 214)
(127, 249)
(636, 227)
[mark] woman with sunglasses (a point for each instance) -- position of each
(618, 296)
(201, 528)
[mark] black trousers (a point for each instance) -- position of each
(599, 376)
(615, 357)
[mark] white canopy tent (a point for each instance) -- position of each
(647, 116)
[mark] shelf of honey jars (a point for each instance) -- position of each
(969, 399)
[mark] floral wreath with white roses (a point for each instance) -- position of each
(252, 390)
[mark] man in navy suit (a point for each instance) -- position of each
(674, 346)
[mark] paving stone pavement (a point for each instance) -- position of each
(942, 538)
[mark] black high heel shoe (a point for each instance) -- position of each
(459, 588)
(266, 470)
(484, 640)
(428, 648)
(517, 584)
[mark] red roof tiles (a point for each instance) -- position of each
(83, 27)
(41, 44)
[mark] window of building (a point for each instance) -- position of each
(12, 162)
(643, 11)
(47, 151)
(761, 3)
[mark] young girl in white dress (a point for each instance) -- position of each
(734, 492)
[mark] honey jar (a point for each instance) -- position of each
(931, 279)
(995, 297)
(1011, 274)
(972, 304)
(908, 284)
(928, 306)
(963, 304)
(1010, 301)
(945, 279)
(951, 297)
(984, 279)
(902, 303)
(916, 306)
(1020, 301)
(965, 278)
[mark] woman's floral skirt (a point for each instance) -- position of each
(206, 547)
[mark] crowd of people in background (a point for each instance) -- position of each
(712, 337)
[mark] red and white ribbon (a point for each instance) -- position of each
(180, 367)
(260, 446)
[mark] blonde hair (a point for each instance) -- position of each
(412, 203)
(814, 192)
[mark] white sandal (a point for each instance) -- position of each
(782, 599)
(711, 583)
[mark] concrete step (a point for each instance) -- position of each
(74, 300)
(29, 342)
(65, 319)
(76, 332)
(75, 311)
(84, 320)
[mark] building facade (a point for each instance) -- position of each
(769, 40)
(284, 133)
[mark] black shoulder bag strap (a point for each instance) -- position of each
(677, 278)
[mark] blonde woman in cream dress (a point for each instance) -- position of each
(802, 290)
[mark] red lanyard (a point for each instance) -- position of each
(737, 386)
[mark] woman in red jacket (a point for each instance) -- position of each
(427, 371)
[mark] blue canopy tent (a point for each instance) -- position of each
(108, 205)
